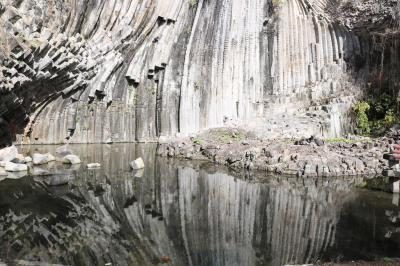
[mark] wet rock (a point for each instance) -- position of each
(319, 142)
(28, 159)
(93, 165)
(39, 159)
(137, 164)
(8, 154)
(71, 159)
(19, 159)
(15, 167)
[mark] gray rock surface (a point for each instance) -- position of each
(137, 164)
(8, 154)
(93, 165)
(38, 158)
(301, 157)
(89, 72)
(72, 159)
(15, 167)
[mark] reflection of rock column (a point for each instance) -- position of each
(228, 222)
(192, 215)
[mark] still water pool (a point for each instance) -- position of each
(187, 213)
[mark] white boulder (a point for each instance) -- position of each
(71, 159)
(15, 167)
(137, 164)
(42, 158)
(8, 154)
(93, 165)
(28, 159)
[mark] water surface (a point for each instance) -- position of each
(187, 213)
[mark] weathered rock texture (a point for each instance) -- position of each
(101, 71)
(303, 158)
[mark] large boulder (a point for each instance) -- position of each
(42, 158)
(15, 167)
(137, 164)
(8, 154)
(71, 159)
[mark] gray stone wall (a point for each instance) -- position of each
(121, 71)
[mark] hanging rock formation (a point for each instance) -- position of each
(100, 71)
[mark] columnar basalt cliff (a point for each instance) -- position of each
(122, 70)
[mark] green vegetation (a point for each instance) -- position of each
(363, 184)
(360, 111)
(338, 140)
(379, 184)
(197, 85)
(376, 115)
(197, 140)
(276, 2)
(193, 3)
(226, 136)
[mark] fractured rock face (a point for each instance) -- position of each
(134, 71)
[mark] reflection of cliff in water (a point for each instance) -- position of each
(193, 213)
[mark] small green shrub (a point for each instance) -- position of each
(276, 2)
(198, 140)
(376, 115)
(339, 140)
(193, 3)
(390, 118)
(360, 110)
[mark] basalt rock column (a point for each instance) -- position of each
(122, 70)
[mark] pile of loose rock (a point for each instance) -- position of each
(11, 161)
(302, 157)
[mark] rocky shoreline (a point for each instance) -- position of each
(310, 157)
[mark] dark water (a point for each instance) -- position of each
(187, 213)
